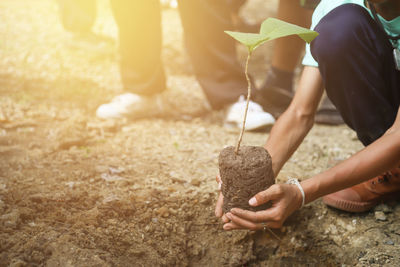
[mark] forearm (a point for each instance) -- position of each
(380, 156)
(286, 135)
(294, 124)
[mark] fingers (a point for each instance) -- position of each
(241, 223)
(225, 219)
(231, 226)
(237, 223)
(256, 217)
(218, 179)
(218, 206)
(218, 209)
(272, 217)
(262, 197)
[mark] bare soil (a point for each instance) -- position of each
(78, 191)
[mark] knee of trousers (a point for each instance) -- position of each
(341, 33)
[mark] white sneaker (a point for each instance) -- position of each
(129, 105)
(256, 117)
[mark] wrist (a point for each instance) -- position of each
(311, 189)
(295, 182)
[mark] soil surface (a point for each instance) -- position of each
(79, 191)
(243, 175)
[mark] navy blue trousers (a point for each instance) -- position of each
(356, 62)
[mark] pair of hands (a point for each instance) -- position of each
(285, 199)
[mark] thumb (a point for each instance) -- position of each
(262, 197)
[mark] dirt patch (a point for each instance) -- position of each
(243, 175)
(75, 190)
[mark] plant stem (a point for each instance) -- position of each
(247, 103)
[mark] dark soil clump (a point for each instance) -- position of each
(244, 175)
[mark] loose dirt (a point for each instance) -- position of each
(78, 191)
(243, 175)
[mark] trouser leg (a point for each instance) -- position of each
(235, 5)
(356, 63)
(78, 16)
(140, 40)
(212, 52)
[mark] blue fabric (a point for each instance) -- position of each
(356, 62)
(392, 27)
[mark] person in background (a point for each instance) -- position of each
(356, 57)
(277, 91)
(78, 16)
(211, 51)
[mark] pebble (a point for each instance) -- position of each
(70, 184)
(389, 242)
(163, 211)
(384, 208)
(195, 182)
(18, 263)
(148, 228)
(380, 216)
(172, 211)
(333, 229)
(2, 205)
(101, 168)
(10, 219)
(3, 186)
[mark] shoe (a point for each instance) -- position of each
(364, 196)
(328, 114)
(169, 4)
(130, 106)
(257, 118)
(274, 99)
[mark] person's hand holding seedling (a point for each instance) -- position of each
(285, 199)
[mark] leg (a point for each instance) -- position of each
(235, 5)
(276, 93)
(78, 16)
(141, 69)
(140, 40)
(287, 51)
(357, 67)
(211, 51)
(239, 23)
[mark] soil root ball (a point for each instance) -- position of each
(244, 175)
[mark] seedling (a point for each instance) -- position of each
(248, 170)
(270, 29)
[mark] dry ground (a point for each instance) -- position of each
(78, 191)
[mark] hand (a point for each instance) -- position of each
(218, 207)
(285, 200)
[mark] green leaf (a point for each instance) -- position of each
(272, 29)
(251, 40)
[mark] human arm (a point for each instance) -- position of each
(293, 125)
(380, 156)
